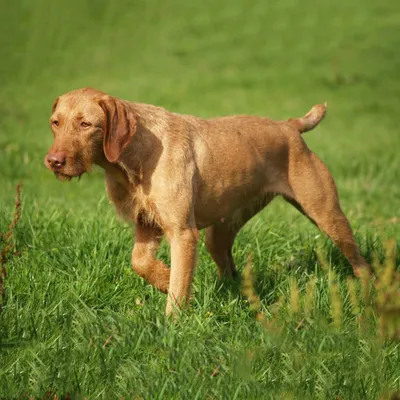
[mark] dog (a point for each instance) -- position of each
(173, 174)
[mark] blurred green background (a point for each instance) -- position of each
(72, 287)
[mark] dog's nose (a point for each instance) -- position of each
(56, 160)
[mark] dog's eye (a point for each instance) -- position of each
(85, 124)
(55, 122)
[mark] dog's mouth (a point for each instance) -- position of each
(65, 177)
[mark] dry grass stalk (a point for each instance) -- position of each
(248, 285)
(352, 290)
(249, 292)
(322, 260)
(309, 297)
(8, 249)
(336, 304)
(294, 297)
(387, 301)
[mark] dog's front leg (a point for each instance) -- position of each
(183, 261)
(144, 261)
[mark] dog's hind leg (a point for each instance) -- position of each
(315, 195)
(219, 242)
(221, 236)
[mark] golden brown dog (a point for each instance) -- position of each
(174, 174)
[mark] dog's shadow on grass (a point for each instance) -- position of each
(301, 266)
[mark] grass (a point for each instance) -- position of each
(76, 320)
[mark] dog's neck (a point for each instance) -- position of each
(115, 172)
(128, 171)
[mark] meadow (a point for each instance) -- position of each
(77, 322)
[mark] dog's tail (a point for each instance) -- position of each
(311, 119)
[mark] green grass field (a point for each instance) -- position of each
(77, 320)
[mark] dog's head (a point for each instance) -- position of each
(89, 127)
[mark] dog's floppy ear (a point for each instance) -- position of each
(54, 106)
(120, 127)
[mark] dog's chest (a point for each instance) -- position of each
(132, 203)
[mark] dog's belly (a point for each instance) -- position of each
(231, 209)
(219, 197)
(217, 202)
